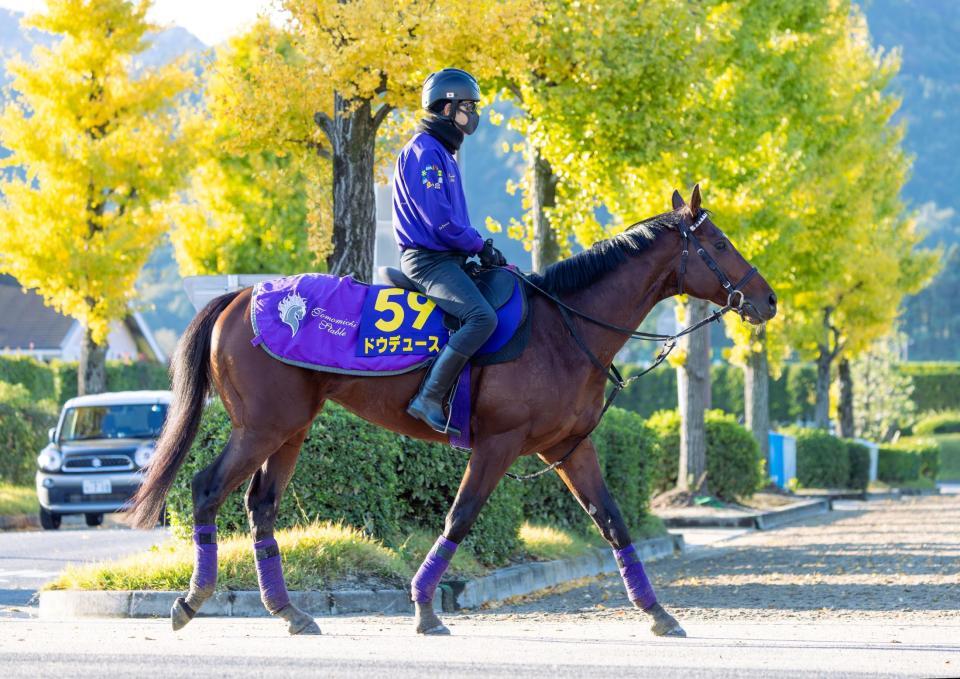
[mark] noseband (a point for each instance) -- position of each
(735, 297)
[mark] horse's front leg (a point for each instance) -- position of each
(490, 460)
(263, 500)
(583, 477)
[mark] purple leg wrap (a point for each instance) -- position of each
(205, 565)
(431, 570)
(273, 591)
(635, 579)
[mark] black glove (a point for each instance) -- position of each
(490, 256)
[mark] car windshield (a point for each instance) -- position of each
(113, 422)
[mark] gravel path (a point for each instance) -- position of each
(894, 561)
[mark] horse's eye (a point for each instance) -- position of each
(721, 245)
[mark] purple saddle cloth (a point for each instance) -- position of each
(337, 325)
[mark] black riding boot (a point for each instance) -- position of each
(427, 405)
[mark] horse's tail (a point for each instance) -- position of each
(190, 377)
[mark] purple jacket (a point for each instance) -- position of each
(429, 209)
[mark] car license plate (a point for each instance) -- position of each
(96, 486)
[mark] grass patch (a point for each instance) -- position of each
(316, 557)
(18, 500)
(545, 543)
(313, 556)
(414, 549)
(949, 457)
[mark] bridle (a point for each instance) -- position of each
(687, 234)
(735, 302)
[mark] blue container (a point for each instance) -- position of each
(782, 459)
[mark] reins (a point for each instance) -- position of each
(670, 341)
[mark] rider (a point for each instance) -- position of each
(433, 230)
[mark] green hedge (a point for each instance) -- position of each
(346, 472)
(936, 385)
(35, 376)
(629, 453)
(859, 465)
(792, 394)
(734, 467)
(352, 471)
(57, 380)
(24, 422)
(428, 475)
(121, 376)
(823, 460)
(909, 460)
(944, 422)
(357, 473)
(897, 464)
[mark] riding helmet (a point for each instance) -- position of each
(451, 83)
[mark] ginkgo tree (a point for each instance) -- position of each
(246, 210)
(330, 79)
(99, 145)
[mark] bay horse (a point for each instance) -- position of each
(548, 399)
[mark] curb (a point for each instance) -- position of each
(501, 584)
(757, 520)
(795, 512)
(19, 521)
(73, 604)
(529, 577)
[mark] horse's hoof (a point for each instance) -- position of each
(300, 622)
(664, 624)
(428, 622)
(677, 631)
(310, 628)
(438, 631)
(180, 614)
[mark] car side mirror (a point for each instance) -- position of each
(51, 434)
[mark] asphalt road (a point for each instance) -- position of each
(30, 558)
(870, 590)
(479, 647)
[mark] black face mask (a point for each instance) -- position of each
(473, 119)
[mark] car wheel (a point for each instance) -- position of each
(94, 519)
(49, 520)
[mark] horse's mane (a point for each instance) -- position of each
(585, 268)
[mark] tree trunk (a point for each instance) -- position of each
(353, 133)
(92, 371)
(545, 250)
(846, 399)
(693, 391)
(756, 396)
(821, 410)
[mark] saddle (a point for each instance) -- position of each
(496, 285)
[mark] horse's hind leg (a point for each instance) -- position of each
(263, 500)
(245, 451)
(583, 477)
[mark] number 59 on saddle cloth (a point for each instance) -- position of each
(338, 325)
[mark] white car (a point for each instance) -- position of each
(94, 461)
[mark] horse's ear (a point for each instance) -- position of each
(695, 200)
(677, 200)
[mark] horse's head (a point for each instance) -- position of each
(711, 268)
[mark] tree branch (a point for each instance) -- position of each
(381, 113)
(324, 122)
